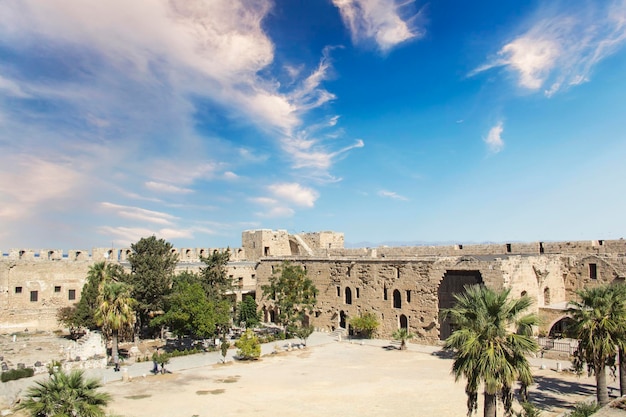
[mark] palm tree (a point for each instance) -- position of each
(598, 321)
(620, 293)
(115, 311)
(485, 351)
(402, 335)
(65, 395)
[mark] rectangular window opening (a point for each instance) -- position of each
(71, 294)
(408, 296)
(593, 271)
(338, 291)
(34, 296)
(57, 288)
(266, 251)
(18, 290)
(358, 292)
(508, 248)
(385, 293)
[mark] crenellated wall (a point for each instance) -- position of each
(403, 286)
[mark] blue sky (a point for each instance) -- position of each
(390, 121)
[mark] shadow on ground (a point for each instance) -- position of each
(548, 392)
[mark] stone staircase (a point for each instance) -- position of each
(339, 334)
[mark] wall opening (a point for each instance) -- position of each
(343, 319)
(50, 253)
(546, 296)
(338, 291)
(404, 322)
(559, 329)
(397, 272)
(18, 290)
(524, 293)
(408, 296)
(541, 249)
(266, 251)
(71, 294)
(348, 295)
(34, 296)
(57, 288)
(508, 248)
(397, 300)
(385, 292)
(22, 253)
(358, 292)
(453, 282)
(593, 271)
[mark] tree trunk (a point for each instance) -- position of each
(114, 350)
(622, 372)
(490, 405)
(602, 393)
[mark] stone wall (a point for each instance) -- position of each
(403, 286)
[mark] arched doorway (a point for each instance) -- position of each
(342, 319)
(397, 299)
(559, 328)
(348, 293)
(272, 316)
(453, 282)
(404, 322)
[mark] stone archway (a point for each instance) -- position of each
(348, 294)
(343, 319)
(453, 282)
(404, 322)
(559, 327)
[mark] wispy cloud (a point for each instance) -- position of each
(137, 213)
(561, 50)
(295, 194)
(391, 194)
(494, 138)
(381, 21)
(167, 188)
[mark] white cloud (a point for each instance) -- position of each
(276, 212)
(377, 20)
(561, 50)
(393, 195)
(167, 188)
(494, 138)
(137, 213)
(295, 193)
(125, 236)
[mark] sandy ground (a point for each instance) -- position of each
(336, 379)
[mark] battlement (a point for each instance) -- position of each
(109, 254)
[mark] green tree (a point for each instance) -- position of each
(190, 312)
(365, 324)
(293, 293)
(402, 335)
(620, 336)
(303, 333)
(485, 351)
(216, 283)
(115, 312)
(247, 312)
(152, 264)
(248, 346)
(598, 321)
(84, 315)
(64, 395)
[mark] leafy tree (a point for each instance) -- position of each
(213, 276)
(365, 324)
(485, 351)
(152, 264)
(190, 312)
(303, 333)
(66, 316)
(598, 321)
(293, 293)
(84, 315)
(402, 335)
(620, 336)
(248, 312)
(115, 312)
(65, 395)
(248, 346)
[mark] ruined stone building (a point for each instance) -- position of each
(403, 286)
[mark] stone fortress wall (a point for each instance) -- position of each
(403, 286)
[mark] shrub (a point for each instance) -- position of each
(248, 346)
(14, 374)
(583, 409)
(366, 324)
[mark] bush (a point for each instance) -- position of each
(365, 325)
(582, 409)
(248, 346)
(14, 374)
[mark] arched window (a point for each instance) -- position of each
(397, 300)
(404, 322)
(524, 293)
(348, 293)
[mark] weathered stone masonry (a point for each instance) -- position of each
(403, 286)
